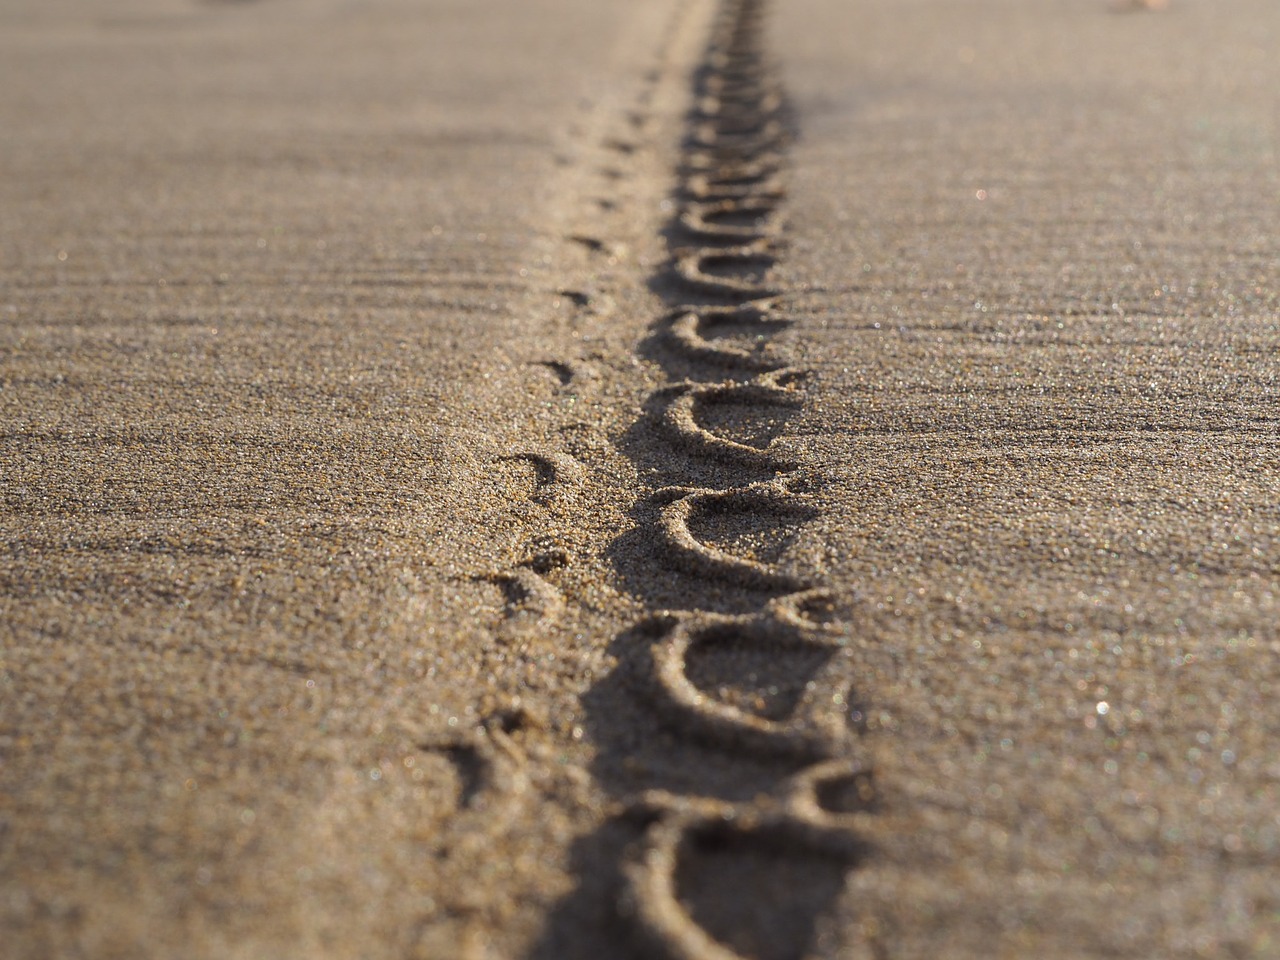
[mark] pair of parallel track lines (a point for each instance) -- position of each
(731, 193)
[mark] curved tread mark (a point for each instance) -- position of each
(684, 332)
(730, 103)
(534, 604)
(789, 827)
(818, 728)
(558, 473)
(699, 220)
(680, 419)
(578, 298)
(625, 147)
(838, 793)
(594, 244)
(699, 559)
(733, 151)
(726, 184)
(692, 266)
(493, 769)
(472, 772)
(736, 171)
(807, 610)
(748, 137)
(562, 371)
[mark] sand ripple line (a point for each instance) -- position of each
(693, 556)
(680, 419)
(798, 825)
(821, 726)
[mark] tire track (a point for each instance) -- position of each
(680, 419)
(697, 269)
(815, 728)
(686, 328)
(746, 749)
(680, 505)
(726, 237)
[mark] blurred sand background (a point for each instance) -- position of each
(326, 379)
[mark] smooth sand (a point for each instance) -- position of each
(342, 411)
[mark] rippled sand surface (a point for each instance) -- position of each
(1034, 239)
(678, 480)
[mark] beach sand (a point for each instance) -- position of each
(1037, 278)
(674, 479)
(282, 282)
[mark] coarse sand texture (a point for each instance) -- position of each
(663, 480)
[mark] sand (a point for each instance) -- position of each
(660, 480)
(1032, 239)
(281, 282)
